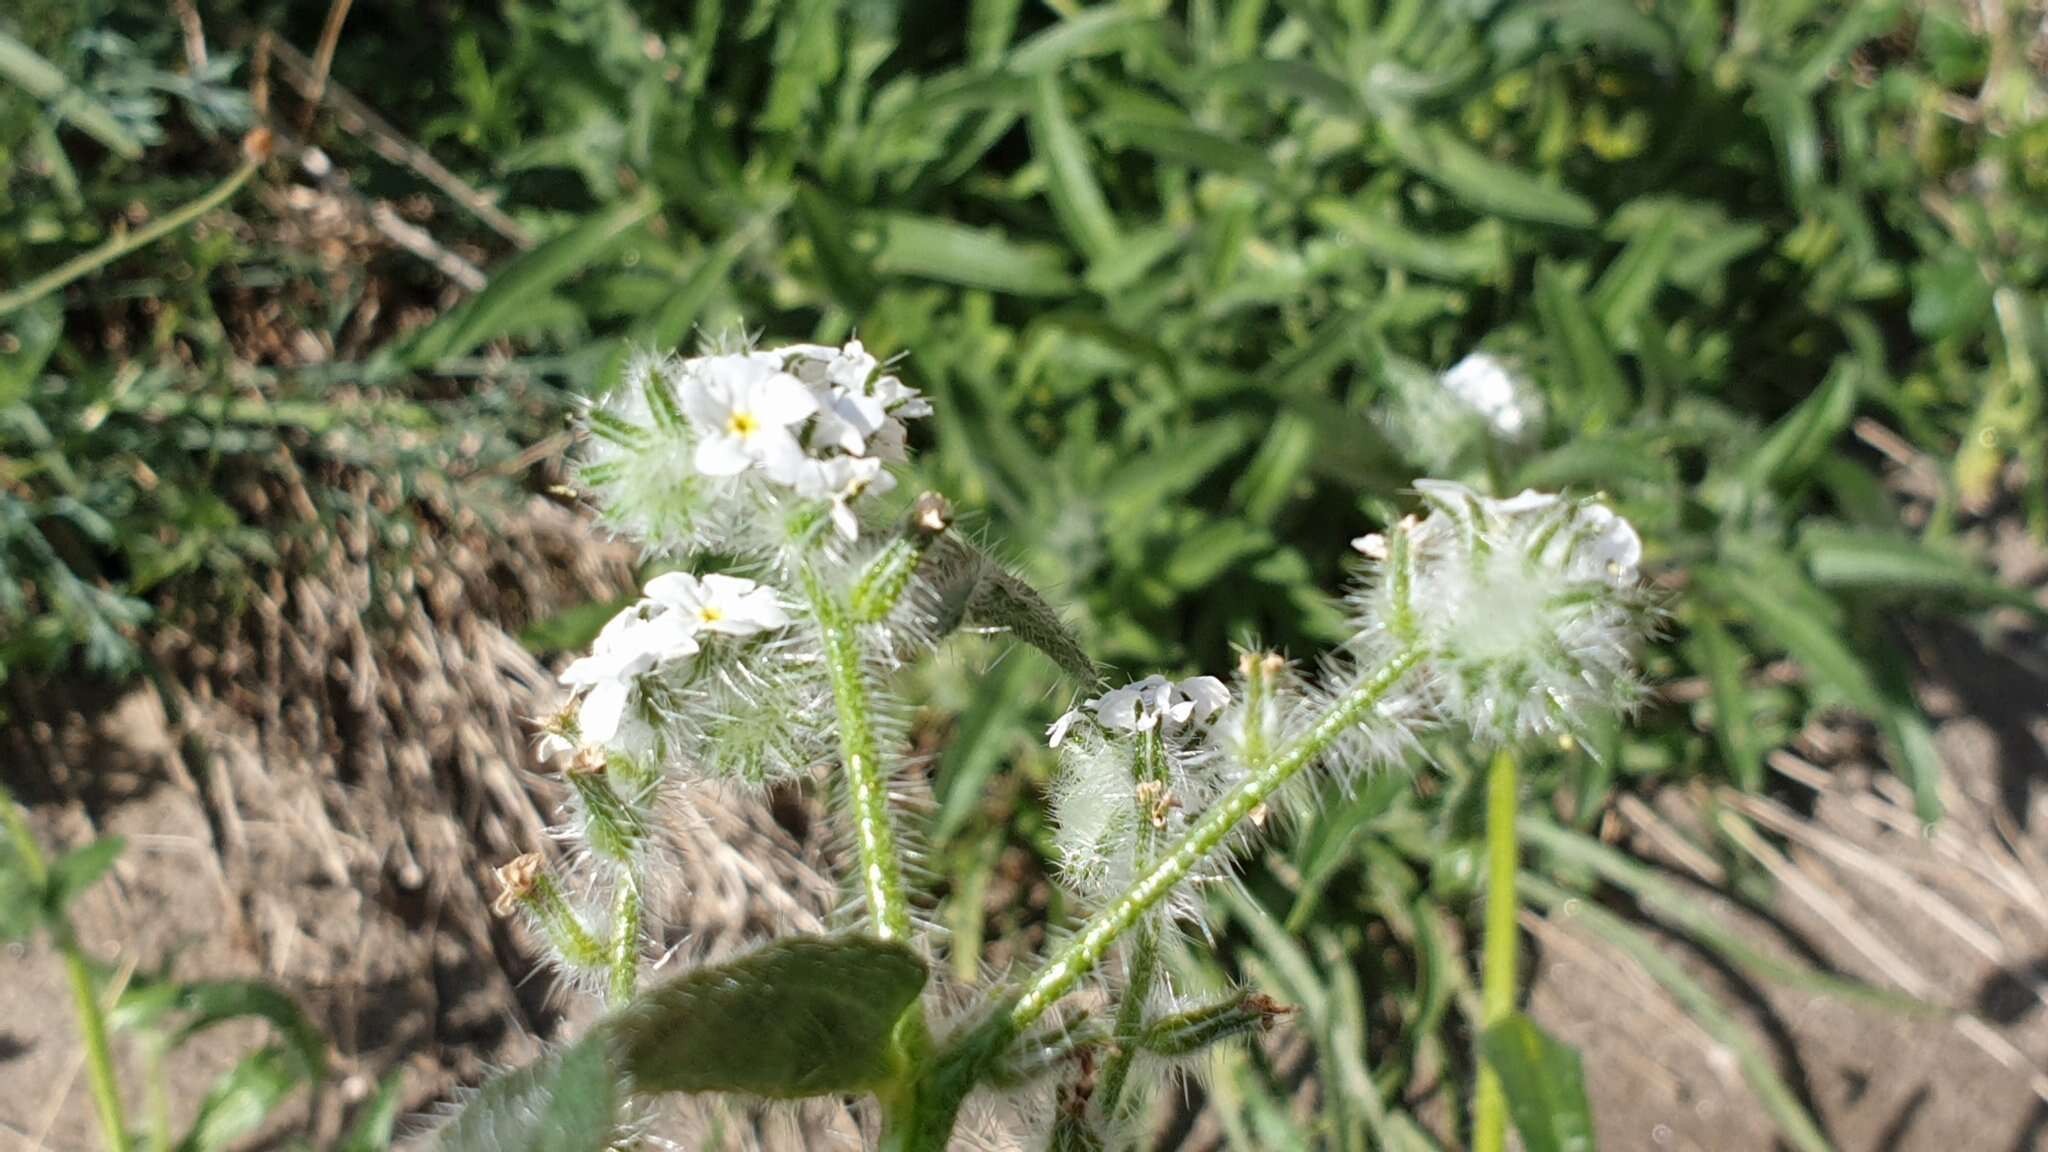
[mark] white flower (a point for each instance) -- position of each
(1528, 609)
(855, 407)
(1486, 385)
(635, 643)
(1152, 703)
(843, 479)
(718, 603)
(742, 408)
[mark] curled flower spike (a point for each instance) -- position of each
(1530, 608)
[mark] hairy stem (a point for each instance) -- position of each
(1208, 833)
(881, 868)
(92, 1021)
(1141, 964)
(1497, 961)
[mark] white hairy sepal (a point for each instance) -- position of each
(1529, 610)
(1101, 813)
(752, 713)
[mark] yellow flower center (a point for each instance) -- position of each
(709, 615)
(742, 424)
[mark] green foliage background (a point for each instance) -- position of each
(1161, 266)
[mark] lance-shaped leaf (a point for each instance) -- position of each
(807, 1016)
(566, 1101)
(1544, 1084)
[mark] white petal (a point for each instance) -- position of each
(781, 399)
(722, 456)
(597, 718)
(1207, 694)
(1058, 731)
(844, 521)
(679, 590)
(1118, 708)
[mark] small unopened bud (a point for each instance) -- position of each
(931, 514)
(590, 760)
(517, 878)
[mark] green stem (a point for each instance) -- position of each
(1497, 961)
(625, 942)
(125, 243)
(1141, 965)
(1208, 832)
(92, 1022)
(881, 868)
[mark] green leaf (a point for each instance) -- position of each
(987, 728)
(1714, 653)
(1544, 1083)
(1478, 253)
(36, 331)
(1870, 561)
(1593, 376)
(806, 1016)
(1779, 613)
(28, 70)
(243, 1099)
(1070, 177)
(213, 1002)
(1799, 439)
(977, 258)
(79, 869)
(1482, 182)
(376, 1121)
(524, 282)
(567, 1101)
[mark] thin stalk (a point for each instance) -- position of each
(1497, 960)
(881, 867)
(1203, 837)
(92, 1022)
(123, 244)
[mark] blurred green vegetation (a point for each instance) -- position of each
(1163, 267)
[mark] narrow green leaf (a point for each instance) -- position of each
(523, 282)
(977, 258)
(79, 869)
(1481, 181)
(1714, 653)
(1292, 77)
(1544, 1083)
(243, 1099)
(1594, 378)
(1870, 561)
(1478, 253)
(1799, 439)
(804, 1016)
(377, 1120)
(987, 726)
(1778, 615)
(27, 69)
(1070, 175)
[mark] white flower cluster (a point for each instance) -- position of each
(656, 636)
(1134, 762)
(703, 452)
(1507, 619)
(1443, 420)
(1529, 609)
